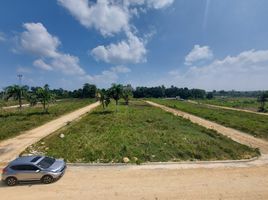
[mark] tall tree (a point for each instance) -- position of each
(89, 91)
(262, 99)
(16, 92)
(115, 92)
(45, 96)
(209, 95)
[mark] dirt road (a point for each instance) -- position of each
(11, 148)
(84, 183)
(23, 105)
(15, 106)
(236, 135)
(228, 108)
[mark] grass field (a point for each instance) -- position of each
(15, 121)
(234, 102)
(254, 124)
(141, 133)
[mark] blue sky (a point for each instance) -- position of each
(208, 44)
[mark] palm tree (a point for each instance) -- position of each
(17, 92)
(127, 93)
(45, 96)
(32, 98)
(103, 97)
(116, 92)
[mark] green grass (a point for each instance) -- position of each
(140, 132)
(234, 102)
(15, 121)
(254, 124)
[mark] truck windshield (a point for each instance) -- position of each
(46, 162)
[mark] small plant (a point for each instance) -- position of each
(115, 92)
(103, 97)
(127, 93)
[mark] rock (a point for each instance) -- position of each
(62, 135)
(135, 159)
(42, 143)
(47, 148)
(126, 159)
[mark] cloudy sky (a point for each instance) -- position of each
(208, 44)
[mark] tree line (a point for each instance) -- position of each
(172, 92)
(45, 95)
(33, 95)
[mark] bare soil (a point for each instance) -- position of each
(117, 183)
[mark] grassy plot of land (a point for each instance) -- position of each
(141, 133)
(254, 124)
(234, 102)
(15, 121)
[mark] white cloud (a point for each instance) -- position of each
(120, 69)
(2, 37)
(42, 65)
(24, 70)
(107, 77)
(38, 41)
(246, 71)
(68, 64)
(103, 15)
(156, 4)
(34, 40)
(198, 53)
(131, 50)
(111, 17)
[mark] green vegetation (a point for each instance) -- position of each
(115, 92)
(140, 133)
(104, 98)
(14, 121)
(262, 99)
(248, 103)
(127, 93)
(254, 124)
(45, 97)
(16, 92)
